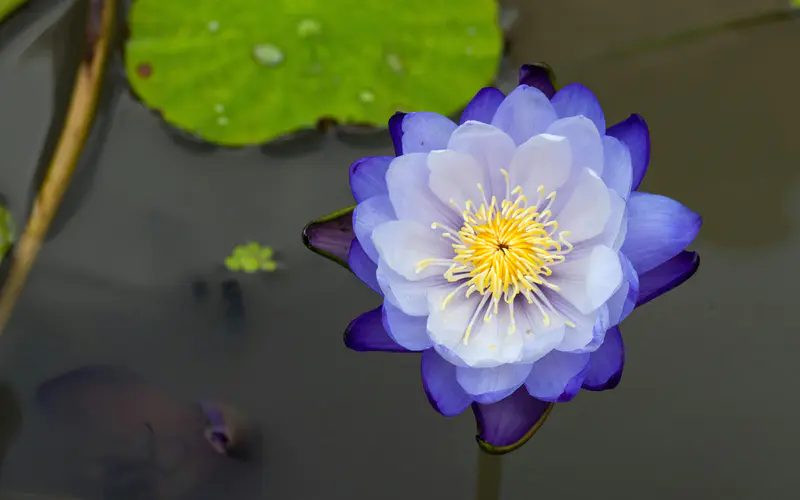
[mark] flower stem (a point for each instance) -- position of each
(490, 468)
(78, 123)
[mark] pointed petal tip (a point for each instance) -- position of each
(492, 449)
(366, 333)
(508, 424)
(330, 236)
(538, 75)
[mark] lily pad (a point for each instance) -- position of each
(244, 72)
(9, 6)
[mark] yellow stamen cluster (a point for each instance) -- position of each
(504, 250)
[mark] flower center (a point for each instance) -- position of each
(505, 250)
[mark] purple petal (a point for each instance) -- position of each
(363, 267)
(539, 76)
(508, 424)
(443, 390)
(396, 132)
(366, 333)
(617, 172)
(667, 276)
(525, 112)
(576, 100)
(622, 303)
(483, 106)
(558, 376)
(489, 385)
(659, 228)
(331, 236)
(634, 133)
(408, 331)
(605, 367)
(368, 215)
(368, 177)
(420, 132)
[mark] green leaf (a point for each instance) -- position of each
(7, 231)
(9, 6)
(247, 71)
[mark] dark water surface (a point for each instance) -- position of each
(707, 406)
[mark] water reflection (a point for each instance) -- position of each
(10, 418)
(13, 495)
(144, 443)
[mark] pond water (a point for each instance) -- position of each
(133, 275)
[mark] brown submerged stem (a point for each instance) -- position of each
(77, 125)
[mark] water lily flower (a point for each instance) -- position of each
(508, 248)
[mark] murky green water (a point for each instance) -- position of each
(706, 408)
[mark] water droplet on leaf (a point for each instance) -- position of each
(222, 120)
(366, 96)
(394, 62)
(469, 51)
(308, 27)
(219, 108)
(471, 31)
(267, 54)
(213, 26)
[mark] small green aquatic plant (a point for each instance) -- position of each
(7, 232)
(251, 258)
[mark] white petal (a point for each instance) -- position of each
(489, 343)
(617, 169)
(408, 331)
(578, 336)
(586, 142)
(403, 244)
(455, 177)
(587, 282)
(367, 215)
(613, 235)
(407, 181)
(538, 339)
(492, 149)
(586, 211)
(408, 296)
(478, 381)
(544, 160)
(525, 112)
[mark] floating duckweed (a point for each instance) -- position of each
(308, 27)
(267, 54)
(7, 232)
(251, 258)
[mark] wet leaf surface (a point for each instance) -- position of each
(247, 71)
